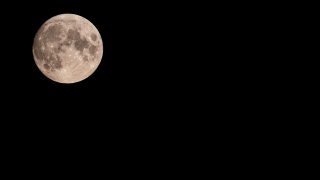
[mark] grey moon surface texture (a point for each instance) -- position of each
(67, 48)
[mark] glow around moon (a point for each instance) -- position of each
(67, 48)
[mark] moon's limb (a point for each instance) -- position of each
(67, 48)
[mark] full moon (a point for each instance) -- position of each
(67, 48)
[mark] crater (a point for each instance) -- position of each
(85, 58)
(93, 37)
(93, 50)
(57, 64)
(46, 66)
(50, 59)
(67, 43)
(59, 48)
(53, 62)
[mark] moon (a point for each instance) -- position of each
(67, 48)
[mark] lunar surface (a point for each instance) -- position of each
(67, 48)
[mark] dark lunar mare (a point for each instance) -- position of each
(93, 37)
(47, 56)
(53, 35)
(80, 43)
(93, 50)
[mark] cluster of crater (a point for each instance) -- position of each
(56, 39)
